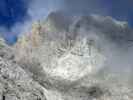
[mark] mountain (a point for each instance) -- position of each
(78, 57)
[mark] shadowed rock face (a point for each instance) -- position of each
(73, 59)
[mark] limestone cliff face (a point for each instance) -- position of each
(71, 60)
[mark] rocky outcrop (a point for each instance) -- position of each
(16, 83)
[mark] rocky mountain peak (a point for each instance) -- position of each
(63, 58)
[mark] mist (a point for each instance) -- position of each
(115, 40)
(34, 11)
(39, 9)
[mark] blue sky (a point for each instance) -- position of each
(119, 9)
(14, 11)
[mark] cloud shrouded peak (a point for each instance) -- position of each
(106, 35)
(77, 53)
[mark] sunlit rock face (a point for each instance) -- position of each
(78, 58)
